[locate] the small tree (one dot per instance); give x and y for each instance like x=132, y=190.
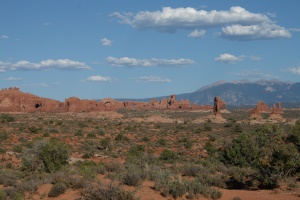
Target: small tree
x=45, y=155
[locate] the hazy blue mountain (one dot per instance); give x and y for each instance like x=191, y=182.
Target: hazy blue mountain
x=244, y=92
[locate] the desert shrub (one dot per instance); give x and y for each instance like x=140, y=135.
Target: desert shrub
x=162, y=142
x=30, y=185
x=236, y=198
x=265, y=151
x=145, y=139
x=215, y=194
x=210, y=148
x=188, y=144
x=177, y=188
x=196, y=187
x=136, y=151
x=59, y=123
x=294, y=135
x=57, y=189
x=168, y=155
x=133, y=175
x=101, y=132
x=91, y=135
x=212, y=136
x=228, y=125
x=12, y=193
x=113, y=167
x=2, y=194
x=17, y=148
x=79, y=132
x=6, y=118
x=81, y=125
x=45, y=155
x=237, y=128
x=33, y=129
x=9, y=178
x=192, y=169
x=160, y=177
x=110, y=192
x=121, y=137
x=3, y=135
x=87, y=169
x=105, y=143
x=207, y=127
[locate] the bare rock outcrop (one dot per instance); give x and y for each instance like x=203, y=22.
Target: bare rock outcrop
x=13, y=100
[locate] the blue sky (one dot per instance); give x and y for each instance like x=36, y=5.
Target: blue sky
x=137, y=49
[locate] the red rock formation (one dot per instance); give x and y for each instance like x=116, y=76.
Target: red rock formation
x=276, y=109
x=216, y=108
x=13, y=100
x=261, y=107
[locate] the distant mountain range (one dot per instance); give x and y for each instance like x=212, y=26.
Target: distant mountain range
x=244, y=92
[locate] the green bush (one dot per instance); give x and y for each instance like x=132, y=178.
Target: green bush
x=57, y=189
x=6, y=118
x=168, y=155
x=162, y=142
x=111, y=192
x=121, y=137
x=79, y=132
x=45, y=155
x=136, y=150
x=105, y=143
x=3, y=135
x=133, y=175
x=207, y=127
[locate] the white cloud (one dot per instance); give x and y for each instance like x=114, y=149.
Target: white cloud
x=255, y=58
x=255, y=74
x=133, y=62
x=170, y=19
x=254, y=32
x=35, y=85
x=294, y=70
x=99, y=79
x=13, y=79
x=4, y=37
x=106, y=42
x=228, y=58
x=197, y=34
x=294, y=29
x=62, y=64
x=240, y=23
x=153, y=79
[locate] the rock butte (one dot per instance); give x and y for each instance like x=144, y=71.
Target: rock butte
x=13, y=100
x=261, y=107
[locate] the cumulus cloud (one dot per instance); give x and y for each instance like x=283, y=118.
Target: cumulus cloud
x=62, y=64
x=4, y=37
x=98, y=78
x=254, y=32
x=153, y=79
x=294, y=70
x=228, y=58
x=106, y=42
x=133, y=62
x=170, y=19
x=197, y=34
x=239, y=23
x=13, y=79
x=255, y=74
